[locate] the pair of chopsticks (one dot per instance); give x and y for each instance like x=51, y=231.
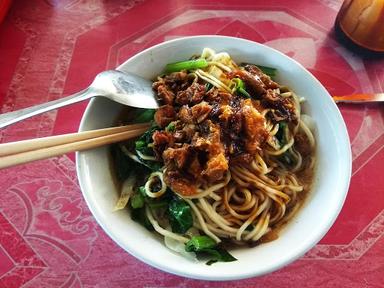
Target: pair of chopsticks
x=25, y=151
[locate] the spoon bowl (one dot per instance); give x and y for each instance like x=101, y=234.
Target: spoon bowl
x=124, y=88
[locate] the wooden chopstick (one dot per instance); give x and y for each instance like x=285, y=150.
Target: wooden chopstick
x=39, y=143
x=36, y=149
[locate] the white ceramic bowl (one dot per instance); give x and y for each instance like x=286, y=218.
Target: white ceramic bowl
x=310, y=224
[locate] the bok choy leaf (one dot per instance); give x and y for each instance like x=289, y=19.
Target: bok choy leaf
x=144, y=115
x=206, y=246
x=180, y=216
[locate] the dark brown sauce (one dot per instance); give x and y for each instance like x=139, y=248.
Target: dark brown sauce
x=306, y=178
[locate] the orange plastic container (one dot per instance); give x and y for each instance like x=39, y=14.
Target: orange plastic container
x=361, y=23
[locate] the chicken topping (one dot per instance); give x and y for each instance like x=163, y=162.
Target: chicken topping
x=214, y=128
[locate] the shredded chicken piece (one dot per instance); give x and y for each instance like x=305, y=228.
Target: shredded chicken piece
x=193, y=94
x=179, y=182
x=254, y=127
x=165, y=115
x=200, y=112
x=217, y=166
x=161, y=141
x=177, y=157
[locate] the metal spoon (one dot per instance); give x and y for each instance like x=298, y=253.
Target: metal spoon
x=125, y=88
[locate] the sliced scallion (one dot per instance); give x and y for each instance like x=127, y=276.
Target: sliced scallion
x=240, y=88
x=268, y=70
x=243, y=92
x=186, y=65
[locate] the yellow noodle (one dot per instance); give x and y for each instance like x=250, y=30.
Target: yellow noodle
x=147, y=186
x=161, y=230
x=202, y=222
x=259, y=195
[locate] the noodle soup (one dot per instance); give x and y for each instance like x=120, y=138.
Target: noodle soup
x=328, y=190
x=229, y=157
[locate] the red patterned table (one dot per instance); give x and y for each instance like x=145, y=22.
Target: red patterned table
x=52, y=48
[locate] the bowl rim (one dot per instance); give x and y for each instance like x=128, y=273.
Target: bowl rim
x=235, y=275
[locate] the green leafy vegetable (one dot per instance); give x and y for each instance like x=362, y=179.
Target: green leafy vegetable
x=124, y=165
x=243, y=92
x=170, y=127
x=144, y=146
x=186, y=65
x=250, y=227
x=208, y=86
x=281, y=134
x=139, y=216
x=137, y=201
x=180, y=216
x=268, y=70
x=141, y=190
x=200, y=243
x=219, y=255
x=144, y=115
x=204, y=245
x=157, y=203
x=142, y=143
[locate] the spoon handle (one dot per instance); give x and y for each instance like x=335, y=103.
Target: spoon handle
x=360, y=98
x=18, y=115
